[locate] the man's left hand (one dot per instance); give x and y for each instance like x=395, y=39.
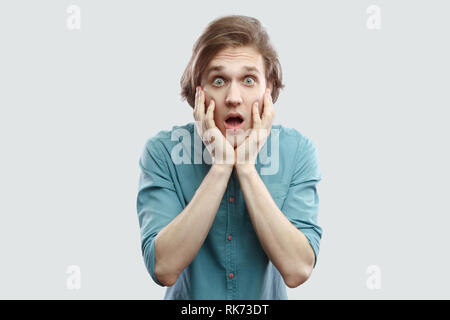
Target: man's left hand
x=248, y=150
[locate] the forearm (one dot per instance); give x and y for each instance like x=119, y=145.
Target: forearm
x=178, y=243
x=286, y=246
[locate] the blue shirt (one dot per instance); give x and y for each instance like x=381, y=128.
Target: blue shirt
x=231, y=264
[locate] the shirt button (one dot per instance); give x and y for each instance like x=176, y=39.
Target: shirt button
x=231, y=275
x=230, y=237
x=231, y=200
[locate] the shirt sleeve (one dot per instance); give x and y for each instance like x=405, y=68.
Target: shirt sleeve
x=301, y=206
x=157, y=201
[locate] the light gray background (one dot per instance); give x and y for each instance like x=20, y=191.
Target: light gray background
x=78, y=106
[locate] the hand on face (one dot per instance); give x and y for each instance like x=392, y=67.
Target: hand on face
x=221, y=151
x=248, y=150
x=248, y=144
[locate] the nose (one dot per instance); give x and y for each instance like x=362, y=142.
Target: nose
x=233, y=96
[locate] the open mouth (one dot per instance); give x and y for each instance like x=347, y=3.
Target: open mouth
x=234, y=121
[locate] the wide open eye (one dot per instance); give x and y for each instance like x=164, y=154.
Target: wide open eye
x=218, y=81
x=252, y=81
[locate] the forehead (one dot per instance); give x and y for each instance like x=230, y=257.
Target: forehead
x=236, y=57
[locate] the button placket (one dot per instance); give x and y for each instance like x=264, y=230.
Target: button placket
x=230, y=245
x=233, y=244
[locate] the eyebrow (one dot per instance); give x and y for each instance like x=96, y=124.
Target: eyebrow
x=220, y=68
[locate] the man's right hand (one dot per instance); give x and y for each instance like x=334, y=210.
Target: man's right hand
x=221, y=150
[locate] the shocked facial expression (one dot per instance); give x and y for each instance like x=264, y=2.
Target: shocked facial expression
x=235, y=80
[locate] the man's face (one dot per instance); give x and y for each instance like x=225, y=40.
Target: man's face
x=235, y=80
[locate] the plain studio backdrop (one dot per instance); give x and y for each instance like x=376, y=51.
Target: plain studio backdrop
x=367, y=81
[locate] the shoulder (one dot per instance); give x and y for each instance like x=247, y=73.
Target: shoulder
x=301, y=150
x=294, y=140
x=166, y=139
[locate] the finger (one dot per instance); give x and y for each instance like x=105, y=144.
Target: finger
x=210, y=115
x=201, y=102
x=197, y=115
x=195, y=104
x=256, y=117
x=199, y=111
x=268, y=109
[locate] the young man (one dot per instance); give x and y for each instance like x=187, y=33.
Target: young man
x=229, y=227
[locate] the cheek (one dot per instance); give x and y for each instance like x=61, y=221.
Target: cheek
x=208, y=100
x=219, y=114
x=208, y=97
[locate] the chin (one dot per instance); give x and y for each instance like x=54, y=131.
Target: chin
x=232, y=141
x=235, y=141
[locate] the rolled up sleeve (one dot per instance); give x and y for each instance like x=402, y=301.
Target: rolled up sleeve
x=157, y=201
x=301, y=206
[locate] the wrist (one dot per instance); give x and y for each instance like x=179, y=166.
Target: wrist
x=222, y=168
x=245, y=169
